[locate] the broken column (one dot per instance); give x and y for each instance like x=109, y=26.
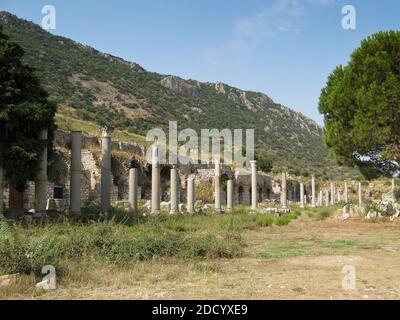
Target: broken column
x=133, y=189
x=346, y=192
x=190, y=195
x=332, y=194
x=284, y=191
x=105, y=183
x=253, y=185
x=360, y=197
x=75, y=183
x=229, y=200
x=1, y=191
x=313, y=193
x=302, y=195
x=217, y=186
x=41, y=177
x=174, y=190
x=155, y=181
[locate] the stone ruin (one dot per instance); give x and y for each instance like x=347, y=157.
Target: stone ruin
x=84, y=169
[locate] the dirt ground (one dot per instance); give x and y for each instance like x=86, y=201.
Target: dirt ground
x=301, y=261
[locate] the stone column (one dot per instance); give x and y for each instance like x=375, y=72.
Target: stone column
x=1, y=191
x=332, y=194
x=360, y=197
x=302, y=195
x=174, y=190
x=75, y=183
x=41, y=178
x=155, y=181
x=105, y=183
x=346, y=192
x=190, y=195
x=217, y=186
x=321, y=198
x=326, y=198
x=313, y=193
x=230, y=201
x=133, y=189
x=284, y=191
x=253, y=185
x=339, y=196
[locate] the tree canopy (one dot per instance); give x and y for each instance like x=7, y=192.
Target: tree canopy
x=24, y=112
x=361, y=107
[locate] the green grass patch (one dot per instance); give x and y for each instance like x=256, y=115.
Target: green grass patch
x=339, y=244
x=264, y=220
x=282, y=252
x=119, y=240
x=321, y=213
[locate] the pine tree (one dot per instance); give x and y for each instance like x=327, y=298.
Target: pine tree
x=361, y=106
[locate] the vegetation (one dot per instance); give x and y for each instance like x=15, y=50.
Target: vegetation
x=24, y=113
x=264, y=161
x=361, y=105
x=121, y=239
x=101, y=89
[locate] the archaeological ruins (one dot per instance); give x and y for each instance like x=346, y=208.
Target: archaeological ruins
x=86, y=170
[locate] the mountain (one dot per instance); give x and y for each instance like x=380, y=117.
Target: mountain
x=92, y=88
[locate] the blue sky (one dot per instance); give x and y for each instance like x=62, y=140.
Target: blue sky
x=284, y=48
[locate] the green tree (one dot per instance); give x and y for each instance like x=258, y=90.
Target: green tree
x=361, y=107
x=24, y=112
x=264, y=161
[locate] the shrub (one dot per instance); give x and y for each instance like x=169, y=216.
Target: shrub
x=264, y=220
x=283, y=220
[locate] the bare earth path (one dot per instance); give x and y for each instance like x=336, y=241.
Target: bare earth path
x=300, y=261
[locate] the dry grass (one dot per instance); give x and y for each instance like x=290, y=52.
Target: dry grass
x=300, y=261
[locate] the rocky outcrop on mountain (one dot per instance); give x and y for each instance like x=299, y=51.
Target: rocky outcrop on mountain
x=180, y=86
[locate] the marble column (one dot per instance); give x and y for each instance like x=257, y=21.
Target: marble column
x=339, y=196
x=133, y=189
x=253, y=185
x=346, y=192
x=217, y=186
x=155, y=181
x=360, y=197
x=190, y=195
x=284, y=191
x=302, y=195
x=1, y=191
x=105, y=184
x=41, y=177
x=230, y=199
x=174, y=191
x=313, y=193
x=75, y=183
x=326, y=197
x=332, y=194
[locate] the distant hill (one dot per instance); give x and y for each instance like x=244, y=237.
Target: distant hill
x=92, y=88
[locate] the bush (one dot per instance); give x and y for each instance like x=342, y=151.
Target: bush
x=264, y=220
x=283, y=220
